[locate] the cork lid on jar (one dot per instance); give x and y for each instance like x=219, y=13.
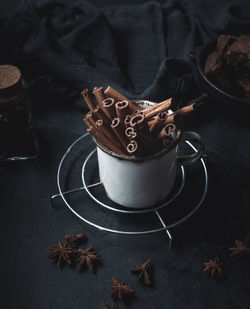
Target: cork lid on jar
x=10, y=81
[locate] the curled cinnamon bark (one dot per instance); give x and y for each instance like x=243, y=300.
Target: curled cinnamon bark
x=148, y=144
x=108, y=132
x=89, y=119
x=104, y=141
x=99, y=122
x=157, y=108
x=127, y=120
x=108, y=106
x=99, y=95
x=130, y=133
x=132, y=147
x=87, y=122
x=174, y=118
x=167, y=131
x=99, y=114
x=138, y=121
x=87, y=97
x=118, y=128
x=122, y=110
x=177, y=116
x=136, y=112
x=112, y=93
x=158, y=122
x=185, y=110
x=117, y=96
x=123, y=127
x=134, y=109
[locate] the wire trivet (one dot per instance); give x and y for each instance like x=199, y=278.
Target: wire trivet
x=121, y=210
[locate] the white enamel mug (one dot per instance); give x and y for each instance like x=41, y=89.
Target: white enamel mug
x=142, y=182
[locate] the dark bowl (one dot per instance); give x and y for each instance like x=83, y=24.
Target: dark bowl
x=206, y=85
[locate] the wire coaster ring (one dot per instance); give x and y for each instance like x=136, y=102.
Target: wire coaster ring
x=85, y=187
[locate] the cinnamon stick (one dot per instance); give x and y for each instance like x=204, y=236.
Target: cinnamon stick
x=127, y=120
x=158, y=122
x=177, y=116
x=137, y=111
x=99, y=114
x=130, y=133
x=172, y=118
x=104, y=141
x=87, y=122
x=108, y=132
x=118, y=128
x=112, y=93
x=145, y=139
x=167, y=131
x=122, y=110
x=87, y=97
x=89, y=119
x=136, y=148
x=108, y=106
x=185, y=110
x=133, y=107
x=138, y=122
x=164, y=102
x=157, y=108
x=132, y=147
x=99, y=95
x=147, y=144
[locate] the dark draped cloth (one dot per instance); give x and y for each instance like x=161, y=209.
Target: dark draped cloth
x=142, y=50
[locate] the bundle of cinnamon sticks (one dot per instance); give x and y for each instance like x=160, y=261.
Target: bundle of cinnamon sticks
x=121, y=126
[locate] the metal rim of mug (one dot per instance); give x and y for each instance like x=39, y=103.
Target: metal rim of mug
x=129, y=232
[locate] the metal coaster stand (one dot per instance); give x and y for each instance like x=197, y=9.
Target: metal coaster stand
x=155, y=210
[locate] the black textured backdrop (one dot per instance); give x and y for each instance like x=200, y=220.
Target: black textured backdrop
x=65, y=47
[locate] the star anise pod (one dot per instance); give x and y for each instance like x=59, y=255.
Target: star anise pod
x=143, y=272
x=73, y=239
x=62, y=253
x=120, y=290
x=240, y=248
x=104, y=306
x=88, y=257
x=213, y=267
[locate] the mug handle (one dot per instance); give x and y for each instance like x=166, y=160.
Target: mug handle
x=192, y=158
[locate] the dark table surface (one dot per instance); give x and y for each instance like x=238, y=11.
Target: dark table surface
x=63, y=49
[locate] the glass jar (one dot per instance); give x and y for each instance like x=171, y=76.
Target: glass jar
x=17, y=140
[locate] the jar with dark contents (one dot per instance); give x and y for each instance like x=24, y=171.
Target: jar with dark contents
x=17, y=140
